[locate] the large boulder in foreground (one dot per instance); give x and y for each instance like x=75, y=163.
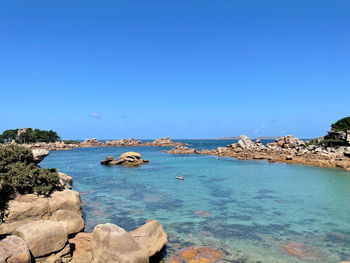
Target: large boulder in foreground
x=74, y=222
x=13, y=249
x=65, y=200
x=126, y=159
x=112, y=244
x=152, y=236
x=27, y=208
x=43, y=236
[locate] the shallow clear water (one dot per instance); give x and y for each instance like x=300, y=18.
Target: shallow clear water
x=247, y=209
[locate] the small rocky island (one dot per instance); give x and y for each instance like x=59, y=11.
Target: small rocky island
x=126, y=159
x=41, y=219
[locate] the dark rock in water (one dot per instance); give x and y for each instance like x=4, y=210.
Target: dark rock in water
x=107, y=160
x=126, y=159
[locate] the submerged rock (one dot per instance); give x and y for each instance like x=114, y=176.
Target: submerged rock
x=201, y=213
x=126, y=159
x=196, y=254
x=301, y=251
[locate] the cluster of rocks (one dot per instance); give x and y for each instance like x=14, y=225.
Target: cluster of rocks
x=91, y=143
x=48, y=230
x=109, y=243
x=126, y=159
x=285, y=149
x=163, y=142
x=51, y=146
x=182, y=150
x=39, y=226
x=124, y=142
x=160, y=142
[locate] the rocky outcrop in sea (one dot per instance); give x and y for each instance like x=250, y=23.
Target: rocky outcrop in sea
x=126, y=159
x=288, y=149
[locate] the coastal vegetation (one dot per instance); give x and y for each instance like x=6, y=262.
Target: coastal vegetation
x=342, y=124
x=19, y=174
x=70, y=141
x=339, y=135
x=29, y=135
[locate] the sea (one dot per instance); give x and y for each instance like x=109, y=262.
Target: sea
x=249, y=210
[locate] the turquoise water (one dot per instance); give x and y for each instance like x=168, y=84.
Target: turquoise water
x=247, y=209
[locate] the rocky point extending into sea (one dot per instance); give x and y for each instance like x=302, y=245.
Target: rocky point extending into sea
x=61, y=146
x=49, y=229
x=287, y=149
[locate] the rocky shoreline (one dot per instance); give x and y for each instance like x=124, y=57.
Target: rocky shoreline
x=61, y=146
x=286, y=149
x=48, y=229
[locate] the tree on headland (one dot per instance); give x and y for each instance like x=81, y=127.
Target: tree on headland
x=8, y=135
x=342, y=124
x=29, y=135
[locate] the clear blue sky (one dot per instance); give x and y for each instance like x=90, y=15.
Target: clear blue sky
x=180, y=68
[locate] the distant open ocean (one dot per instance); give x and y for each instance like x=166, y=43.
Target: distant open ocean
x=246, y=209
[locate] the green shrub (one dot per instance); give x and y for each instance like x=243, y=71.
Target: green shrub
x=20, y=175
x=70, y=142
x=13, y=153
x=310, y=142
x=342, y=124
x=332, y=142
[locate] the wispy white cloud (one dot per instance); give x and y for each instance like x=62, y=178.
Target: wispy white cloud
x=95, y=115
